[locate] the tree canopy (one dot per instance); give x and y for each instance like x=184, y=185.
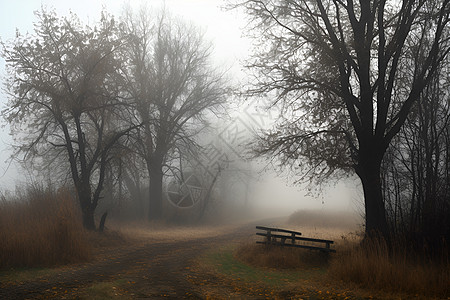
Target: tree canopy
x=171, y=80
x=337, y=68
x=82, y=98
x=65, y=98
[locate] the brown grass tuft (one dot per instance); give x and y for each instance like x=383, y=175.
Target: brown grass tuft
x=41, y=228
x=280, y=257
x=372, y=265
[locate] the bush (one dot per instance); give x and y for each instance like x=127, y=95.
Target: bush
x=41, y=228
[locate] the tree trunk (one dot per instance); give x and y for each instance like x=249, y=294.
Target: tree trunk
x=88, y=218
x=137, y=195
x=155, y=192
x=87, y=207
x=369, y=171
x=207, y=197
x=101, y=227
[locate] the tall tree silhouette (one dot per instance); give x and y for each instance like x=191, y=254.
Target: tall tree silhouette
x=172, y=84
x=64, y=98
x=335, y=67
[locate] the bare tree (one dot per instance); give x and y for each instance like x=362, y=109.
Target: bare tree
x=172, y=84
x=415, y=172
x=64, y=99
x=335, y=68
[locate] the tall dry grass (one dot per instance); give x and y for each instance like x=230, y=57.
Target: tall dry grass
x=271, y=256
x=41, y=228
x=370, y=264
x=374, y=265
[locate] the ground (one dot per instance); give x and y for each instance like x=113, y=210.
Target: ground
x=155, y=266
x=175, y=263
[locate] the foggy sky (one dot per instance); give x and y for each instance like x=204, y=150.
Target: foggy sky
x=224, y=29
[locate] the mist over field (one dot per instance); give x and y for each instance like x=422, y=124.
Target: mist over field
x=211, y=149
x=271, y=192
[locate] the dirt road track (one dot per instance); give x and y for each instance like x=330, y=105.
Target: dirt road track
x=154, y=270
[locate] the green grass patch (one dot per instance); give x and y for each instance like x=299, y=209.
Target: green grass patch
x=105, y=290
x=224, y=262
x=308, y=281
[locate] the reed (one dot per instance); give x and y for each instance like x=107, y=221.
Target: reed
x=39, y=227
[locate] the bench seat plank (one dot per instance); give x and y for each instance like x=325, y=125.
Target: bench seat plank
x=277, y=230
x=301, y=246
x=296, y=238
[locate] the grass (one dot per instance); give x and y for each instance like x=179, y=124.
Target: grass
x=228, y=261
x=306, y=281
x=105, y=290
x=18, y=275
x=366, y=269
x=281, y=257
x=373, y=266
x=325, y=219
x=41, y=228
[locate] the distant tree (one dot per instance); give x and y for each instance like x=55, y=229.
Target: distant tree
x=336, y=68
x=64, y=99
x=171, y=83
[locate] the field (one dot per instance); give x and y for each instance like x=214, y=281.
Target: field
x=45, y=253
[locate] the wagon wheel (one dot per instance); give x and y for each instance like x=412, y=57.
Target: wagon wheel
x=185, y=193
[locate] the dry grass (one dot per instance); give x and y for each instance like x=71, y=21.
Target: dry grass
x=325, y=219
x=41, y=228
x=312, y=224
x=157, y=232
x=371, y=265
x=280, y=257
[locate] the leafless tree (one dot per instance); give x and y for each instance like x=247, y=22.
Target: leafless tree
x=65, y=100
x=171, y=83
x=335, y=67
x=415, y=172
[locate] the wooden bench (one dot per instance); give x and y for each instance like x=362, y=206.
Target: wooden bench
x=279, y=237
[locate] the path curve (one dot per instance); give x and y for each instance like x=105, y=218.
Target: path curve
x=156, y=270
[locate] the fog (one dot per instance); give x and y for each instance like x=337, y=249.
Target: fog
x=186, y=149
x=273, y=195
x=221, y=28
x=269, y=191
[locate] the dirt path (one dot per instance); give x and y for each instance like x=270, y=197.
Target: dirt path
x=151, y=270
